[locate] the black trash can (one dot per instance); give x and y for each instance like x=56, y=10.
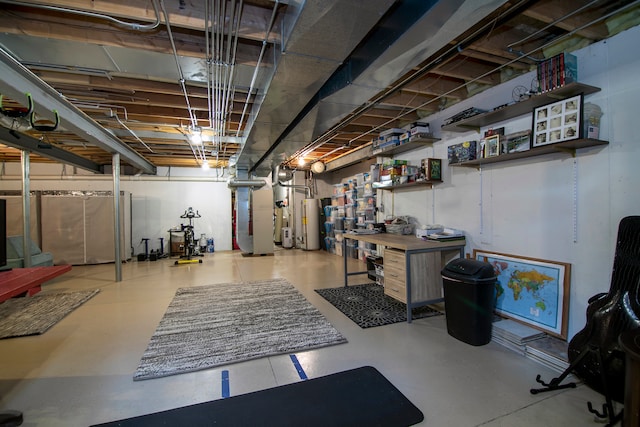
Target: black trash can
x=469, y=289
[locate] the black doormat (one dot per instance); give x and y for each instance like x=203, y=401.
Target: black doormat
x=358, y=397
x=368, y=306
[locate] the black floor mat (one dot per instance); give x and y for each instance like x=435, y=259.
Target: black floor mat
x=358, y=397
x=368, y=306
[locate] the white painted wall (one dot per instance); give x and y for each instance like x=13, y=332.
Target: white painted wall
x=526, y=207
x=157, y=202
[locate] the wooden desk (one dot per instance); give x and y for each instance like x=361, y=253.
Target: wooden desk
x=410, y=248
x=18, y=281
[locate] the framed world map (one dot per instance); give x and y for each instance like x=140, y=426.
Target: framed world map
x=530, y=290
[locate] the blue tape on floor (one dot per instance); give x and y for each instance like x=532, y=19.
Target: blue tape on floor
x=225, y=384
x=294, y=359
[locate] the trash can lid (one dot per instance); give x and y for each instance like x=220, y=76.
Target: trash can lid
x=464, y=268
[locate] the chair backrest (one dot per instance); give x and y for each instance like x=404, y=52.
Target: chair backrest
x=626, y=261
x=608, y=316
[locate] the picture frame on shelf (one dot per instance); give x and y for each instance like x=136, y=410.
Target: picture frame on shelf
x=530, y=290
x=492, y=145
x=517, y=142
x=557, y=122
x=462, y=152
x=432, y=169
x=494, y=131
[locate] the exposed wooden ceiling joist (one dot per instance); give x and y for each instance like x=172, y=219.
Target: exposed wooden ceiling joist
x=153, y=105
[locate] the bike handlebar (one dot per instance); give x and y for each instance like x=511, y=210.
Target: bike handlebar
x=190, y=214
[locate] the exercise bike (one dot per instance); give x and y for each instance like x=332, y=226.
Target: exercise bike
x=190, y=244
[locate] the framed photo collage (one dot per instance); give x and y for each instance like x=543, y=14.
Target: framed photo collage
x=557, y=122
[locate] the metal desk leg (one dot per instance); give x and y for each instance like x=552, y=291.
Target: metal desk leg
x=346, y=272
x=344, y=258
x=407, y=256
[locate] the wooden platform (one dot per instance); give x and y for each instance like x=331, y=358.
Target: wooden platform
x=19, y=281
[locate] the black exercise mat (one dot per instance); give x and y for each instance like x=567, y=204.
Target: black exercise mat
x=358, y=397
x=368, y=306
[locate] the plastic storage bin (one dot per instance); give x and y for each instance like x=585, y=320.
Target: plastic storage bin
x=469, y=289
x=328, y=228
x=349, y=224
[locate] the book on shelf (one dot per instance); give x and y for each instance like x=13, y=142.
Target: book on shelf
x=557, y=71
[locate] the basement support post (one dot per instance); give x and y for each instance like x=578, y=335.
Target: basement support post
x=115, y=166
x=26, y=209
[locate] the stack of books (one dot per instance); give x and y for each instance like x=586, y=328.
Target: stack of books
x=514, y=335
x=387, y=139
x=549, y=351
x=446, y=235
x=557, y=71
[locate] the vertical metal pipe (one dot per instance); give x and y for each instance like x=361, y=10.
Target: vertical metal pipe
x=116, y=215
x=26, y=209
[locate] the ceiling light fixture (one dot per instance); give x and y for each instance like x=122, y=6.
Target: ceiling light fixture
x=318, y=167
x=301, y=161
x=196, y=135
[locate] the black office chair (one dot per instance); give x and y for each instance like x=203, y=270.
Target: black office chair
x=595, y=355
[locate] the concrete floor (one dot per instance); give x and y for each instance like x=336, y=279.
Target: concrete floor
x=80, y=371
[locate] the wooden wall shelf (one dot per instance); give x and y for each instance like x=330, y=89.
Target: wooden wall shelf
x=520, y=108
x=407, y=146
x=408, y=185
x=567, y=146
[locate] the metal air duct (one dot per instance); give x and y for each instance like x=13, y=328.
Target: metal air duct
x=246, y=183
x=303, y=66
x=410, y=32
x=242, y=186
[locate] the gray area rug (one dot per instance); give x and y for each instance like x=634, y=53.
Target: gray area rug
x=208, y=326
x=34, y=315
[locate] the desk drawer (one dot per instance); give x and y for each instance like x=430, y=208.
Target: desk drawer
x=426, y=282
x=394, y=259
x=395, y=274
x=395, y=290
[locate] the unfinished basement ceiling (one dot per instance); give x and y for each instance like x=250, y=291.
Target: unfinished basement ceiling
x=269, y=82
